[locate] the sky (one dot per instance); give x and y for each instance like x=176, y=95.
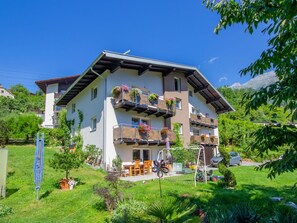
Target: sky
x=46, y=39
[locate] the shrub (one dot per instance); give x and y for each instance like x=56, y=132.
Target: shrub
x=67, y=160
x=5, y=210
x=171, y=210
x=112, y=194
x=117, y=163
x=129, y=212
x=229, y=177
x=93, y=154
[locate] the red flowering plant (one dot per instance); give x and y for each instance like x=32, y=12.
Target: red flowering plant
x=164, y=131
x=117, y=90
x=170, y=101
x=144, y=128
x=125, y=88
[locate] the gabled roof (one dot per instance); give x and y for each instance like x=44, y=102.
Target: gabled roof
x=113, y=61
x=42, y=84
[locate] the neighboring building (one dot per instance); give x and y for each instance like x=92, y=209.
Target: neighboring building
x=111, y=121
x=53, y=89
x=5, y=93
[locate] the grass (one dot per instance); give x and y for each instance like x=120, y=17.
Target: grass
x=81, y=205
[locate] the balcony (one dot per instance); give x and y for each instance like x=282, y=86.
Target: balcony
x=128, y=134
x=204, y=140
x=142, y=104
x=199, y=120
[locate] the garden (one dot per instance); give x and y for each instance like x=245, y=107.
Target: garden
x=119, y=201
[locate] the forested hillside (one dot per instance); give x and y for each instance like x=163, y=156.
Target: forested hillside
x=236, y=128
x=18, y=116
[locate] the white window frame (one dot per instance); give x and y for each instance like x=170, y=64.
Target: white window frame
x=94, y=93
x=93, y=126
x=177, y=84
x=141, y=153
x=178, y=103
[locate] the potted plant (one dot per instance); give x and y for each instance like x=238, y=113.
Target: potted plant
x=170, y=102
x=117, y=90
x=164, y=132
x=66, y=161
x=203, y=137
x=134, y=94
x=153, y=98
x=144, y=128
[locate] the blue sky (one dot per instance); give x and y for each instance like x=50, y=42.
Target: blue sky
x=47, y=39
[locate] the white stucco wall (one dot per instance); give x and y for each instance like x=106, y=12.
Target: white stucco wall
x=199, y=102
x=151, y=81
x=49, y=105
x=90, y=108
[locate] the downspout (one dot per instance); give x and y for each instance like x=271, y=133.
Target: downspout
x=104, y=115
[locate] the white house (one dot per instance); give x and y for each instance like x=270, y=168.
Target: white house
x=53, y=89
x=5, y=93
x=111, y=122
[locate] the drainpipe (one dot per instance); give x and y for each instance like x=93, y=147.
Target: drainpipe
x=104, y=114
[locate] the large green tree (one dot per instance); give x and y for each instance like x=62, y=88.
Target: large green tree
x=279, y=19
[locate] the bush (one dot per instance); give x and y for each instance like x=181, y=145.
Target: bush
x=67, y=160
x=129, y=212
x=117, y=163
x=229, y=177
x=5, y=210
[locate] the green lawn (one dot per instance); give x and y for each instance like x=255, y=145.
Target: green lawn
x=81, y=205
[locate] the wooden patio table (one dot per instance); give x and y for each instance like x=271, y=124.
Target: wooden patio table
x=130, y=167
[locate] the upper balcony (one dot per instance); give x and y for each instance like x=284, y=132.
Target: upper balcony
x=129, y=134
x=205, y=140
x=134, y=99
x=200, y=120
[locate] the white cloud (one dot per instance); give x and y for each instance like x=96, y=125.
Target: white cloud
x=224, y=78
x=212, y=60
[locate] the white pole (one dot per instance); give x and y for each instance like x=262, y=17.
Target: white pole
x=197, y=163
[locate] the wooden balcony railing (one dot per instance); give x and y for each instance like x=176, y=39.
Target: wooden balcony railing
x=199, y=120
x=128, y=134
x=204, y=140
x=142, y=104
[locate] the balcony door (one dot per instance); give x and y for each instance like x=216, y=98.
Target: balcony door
x=136, y=121
x=141, y=154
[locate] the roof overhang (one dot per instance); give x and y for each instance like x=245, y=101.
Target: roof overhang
x=42, y=84
x=113, y=61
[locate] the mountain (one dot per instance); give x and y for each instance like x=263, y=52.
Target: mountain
x=257, y=82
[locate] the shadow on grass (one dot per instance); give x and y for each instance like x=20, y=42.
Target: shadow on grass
x=11, y=191
x=10, y=174
x=100, y=206
x=214, y=197
x=45, y=194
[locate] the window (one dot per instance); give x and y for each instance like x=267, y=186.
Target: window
x=136, y=121
x=190, y=93
x=195, y=131
x=180, y=128
x=93, y=124
x=2, y=91
x=93, y=93
x=178, y=103
x=141, y=154
x=177, y=84
x=195, y=111
x=73, y=108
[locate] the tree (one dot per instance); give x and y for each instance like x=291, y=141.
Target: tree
x=67, y=160
x=280, y=24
